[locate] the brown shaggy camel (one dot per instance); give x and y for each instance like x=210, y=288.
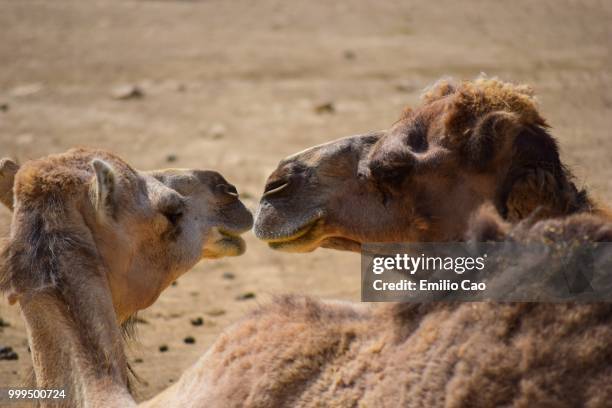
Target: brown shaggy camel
x=93, y=241
x=478, y=141
x=419, y=181
x=302, y=352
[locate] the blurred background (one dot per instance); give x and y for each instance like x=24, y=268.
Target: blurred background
x=236, y=86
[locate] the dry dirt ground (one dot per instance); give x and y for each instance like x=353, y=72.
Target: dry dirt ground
x=233, y=86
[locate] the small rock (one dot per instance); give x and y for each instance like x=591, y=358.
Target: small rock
x=171, y=158
x=163, y=348
x=4, y=323
x=7, y=353
x=325, y=108
x=215, y=312
x=406, y=86
x=349, y=55
x=138, y=360
x=198, y=321
x=125, y=92
x=24, y=139
x=189, y=340
x=172, y=85
x=217, y=131
x=4, y=107
x=228, y=276
x=175, y=283
x=245, y=296
x=277, y=25
x=26, y=90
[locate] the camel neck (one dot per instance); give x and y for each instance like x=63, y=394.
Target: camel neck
x=77, y=346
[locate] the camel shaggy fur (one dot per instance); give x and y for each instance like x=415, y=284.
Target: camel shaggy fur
x=302, y=352
x=93, y=241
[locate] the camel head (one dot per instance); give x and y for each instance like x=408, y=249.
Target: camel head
x=88, y=212
x=466, y=144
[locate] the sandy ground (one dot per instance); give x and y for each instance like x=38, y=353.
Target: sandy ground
x=233, y=85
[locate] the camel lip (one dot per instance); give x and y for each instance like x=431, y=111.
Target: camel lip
x=341, y=243
x=229, y=240
x=298, y=233
x=230, y=233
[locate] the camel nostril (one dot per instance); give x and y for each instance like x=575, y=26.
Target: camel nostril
x=228, y=189
x=275, y=186
x=231, y=190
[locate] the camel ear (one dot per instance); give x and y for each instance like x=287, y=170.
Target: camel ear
x=538, y=180
x=103, y=188
x=492, y=134
x=390, y=166
x=8, y=169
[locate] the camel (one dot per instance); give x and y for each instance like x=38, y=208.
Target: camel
x=466, y=144
x=93, y=241
x=303, y=352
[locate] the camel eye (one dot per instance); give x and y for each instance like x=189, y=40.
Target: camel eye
x=416, y=138
x=174, y=216
x=173, y=209
x=417, y=142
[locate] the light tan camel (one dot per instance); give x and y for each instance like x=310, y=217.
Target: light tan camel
x=475, y=142
x=92, y=242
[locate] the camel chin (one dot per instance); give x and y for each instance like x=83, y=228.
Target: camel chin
x=306, y=238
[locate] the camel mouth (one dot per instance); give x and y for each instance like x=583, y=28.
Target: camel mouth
x=304, y=239
x=228, y=244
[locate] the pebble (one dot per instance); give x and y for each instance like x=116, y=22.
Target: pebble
x=349, y=55
x=163, y=348
x=198, y=321
x=26, y=90
x=325, y=108
x=228, y=275
x=24, y=139
x=125, y=92
x=189, y=340
x=245, y=296
x=217, y=131
x=7, y=353
x=215, y=312
x=406, y=86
